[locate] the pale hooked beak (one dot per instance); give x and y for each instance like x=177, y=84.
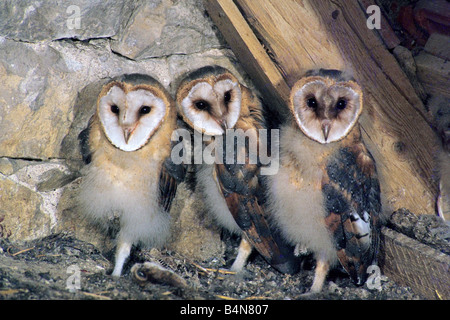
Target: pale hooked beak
x=326, y=124
x=127, y=133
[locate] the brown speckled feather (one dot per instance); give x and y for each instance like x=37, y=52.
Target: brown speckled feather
x=168, y=188
x=352, y=203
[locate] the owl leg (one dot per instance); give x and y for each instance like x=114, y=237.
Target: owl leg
x=245, y=248
x=443, y=203
x=122, y=253
x=322, y=267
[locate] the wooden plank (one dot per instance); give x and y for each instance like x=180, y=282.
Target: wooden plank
x=388, y=35
x=301, y=35
x=434, y=73
x=433, y=16
x=266, y=76
x=292, y=34
x=416, y=265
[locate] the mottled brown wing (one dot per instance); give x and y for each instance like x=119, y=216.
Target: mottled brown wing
x=241, y=189
x=83, y=139
x=171, y=175
x=352, y=201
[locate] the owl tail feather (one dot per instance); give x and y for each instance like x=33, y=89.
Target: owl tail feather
x=357, y=254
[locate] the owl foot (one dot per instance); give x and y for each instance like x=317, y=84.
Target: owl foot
x=122, y=253
x=300, y=250
x=245, y=249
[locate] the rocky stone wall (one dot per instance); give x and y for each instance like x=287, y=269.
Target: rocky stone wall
x=54, y=57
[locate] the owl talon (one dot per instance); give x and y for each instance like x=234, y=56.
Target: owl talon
x=300, y=250
x=122, y=254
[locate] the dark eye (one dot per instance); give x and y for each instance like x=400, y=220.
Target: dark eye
x=312, y=103
x=227, y=97
x=202, y=105
x=341, y=104
x=115, y=109
x=145, y=110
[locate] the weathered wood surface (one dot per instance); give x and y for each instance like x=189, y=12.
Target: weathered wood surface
x=248, y=49
x=411, y=263
x=295, y=36
x=386, y=33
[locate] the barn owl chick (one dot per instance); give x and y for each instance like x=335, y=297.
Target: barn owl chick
x=129, y=173
x=326, y=196
x=212, y=102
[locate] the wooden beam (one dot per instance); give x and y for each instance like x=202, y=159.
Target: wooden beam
x=267, y=77
x=416, y=265
x=300, y=35
x=291, y=32
x=386, y=33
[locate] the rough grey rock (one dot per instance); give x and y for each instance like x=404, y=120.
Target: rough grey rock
x=29, y=221
x=9, y=166
x=428, y=229
x=408, y=64
x=35, y=101
x=403, y=221
x=194, y=233
x=166, y=27
x=439, y=108
x=54, y=179
x=432, y=230
x=27, y=213
x=51, y=19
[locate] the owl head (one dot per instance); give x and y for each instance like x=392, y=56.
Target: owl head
x=326, y=104
x=209, y=100
x=131, y=108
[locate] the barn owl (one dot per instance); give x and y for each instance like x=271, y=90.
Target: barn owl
x=129, y=173
x=326, y=195
x=211, y=101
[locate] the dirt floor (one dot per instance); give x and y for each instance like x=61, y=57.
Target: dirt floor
x=49, y=269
